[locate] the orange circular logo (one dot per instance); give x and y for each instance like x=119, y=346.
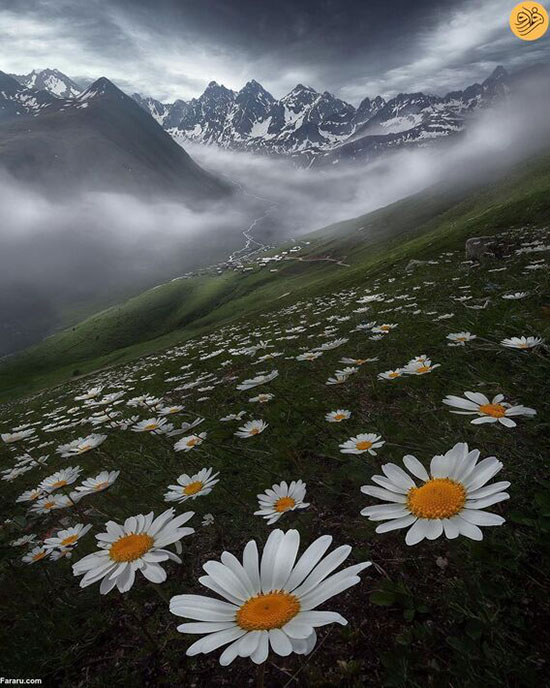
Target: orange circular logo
x=529, y=21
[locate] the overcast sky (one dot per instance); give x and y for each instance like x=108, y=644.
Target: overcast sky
x=353, y=48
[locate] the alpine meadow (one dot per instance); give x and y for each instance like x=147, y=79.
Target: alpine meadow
x=274, y=357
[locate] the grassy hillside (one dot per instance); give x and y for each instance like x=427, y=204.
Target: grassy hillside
x=455, y=612
x=367, y=245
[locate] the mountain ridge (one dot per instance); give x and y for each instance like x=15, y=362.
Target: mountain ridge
x=101, y=139
x=316, y=127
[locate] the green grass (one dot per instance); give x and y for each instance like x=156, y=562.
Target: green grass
x=443, y=613
x=185, y=308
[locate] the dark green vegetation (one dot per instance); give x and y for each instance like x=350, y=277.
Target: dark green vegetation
x=437, y=218
x=443, y=613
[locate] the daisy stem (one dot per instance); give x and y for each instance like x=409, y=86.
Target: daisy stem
x=75, y=505
x=140, y=624
x=260, y=675
x=160, y=593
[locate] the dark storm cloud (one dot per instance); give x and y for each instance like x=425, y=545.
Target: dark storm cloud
x=173, y=48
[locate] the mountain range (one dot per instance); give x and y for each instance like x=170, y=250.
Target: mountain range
x=319, y=127
x=312, y=127
x=100, y=139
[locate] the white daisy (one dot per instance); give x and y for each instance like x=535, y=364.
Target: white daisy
x=66, y=476
x=522, y=342
x=460, y=338
x=81, y=445
x=364, y=442
x=90, y=394
x=262, y=398
x=449, y=501
x=101, y=482
x=189, y=442
x=233, y=416
x=36, y=554
x=185, y=427
x=384, y=328
x=337, y=380
x=156, y=425
x=269, y=602
x=258, y=380
x=328, y=346
x=337, y=416
x=277, y=500
x=190, y=487
x=515, y=296
x=391, y=374
x=11, y=437
x=420, y=366
x=170, y=410
x=309, y=356
x=67, y=539
x=494, y=411
x=45, y=505
x=138, y=545
x=251, y=428
x=24, y=540
x=30, y=495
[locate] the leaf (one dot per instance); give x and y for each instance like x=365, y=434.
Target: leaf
x=383, y=598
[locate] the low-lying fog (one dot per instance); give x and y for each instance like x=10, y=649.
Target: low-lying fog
x=90, y=250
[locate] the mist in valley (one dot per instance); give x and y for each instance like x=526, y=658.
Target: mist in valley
x=67, y=254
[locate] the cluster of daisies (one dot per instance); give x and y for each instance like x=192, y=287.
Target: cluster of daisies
x=265, y=600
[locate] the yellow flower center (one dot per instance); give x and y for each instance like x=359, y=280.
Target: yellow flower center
x=69, y=540
x=460, y=339
x=84, y=447
x=339, y=416
x=494, y=410
x=193, y=488
x=101, y=486
x=130, y=547
x=255, y=431
x=151, y=426
x=438, y=498
x=393, y=374
x=192, y=442
x=385, y=327
x=423, y=369
x=38, y=556
x=363, y=446
x=59, y=483
x=49, y=505
x=284, y=504
x=264, y=612
x=523, y=346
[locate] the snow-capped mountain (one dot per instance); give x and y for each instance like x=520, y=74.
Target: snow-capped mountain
x=100, y=140
x=19, y=101
x=314, y=128
x=51, y=80
x=318, y=126
x=416, y=119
